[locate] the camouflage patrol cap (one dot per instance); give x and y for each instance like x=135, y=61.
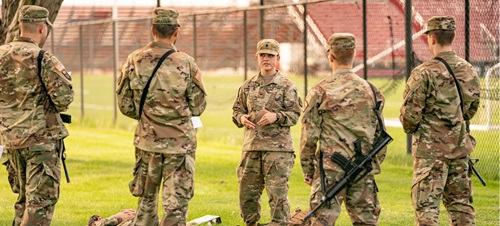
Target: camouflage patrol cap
x=440, y=23
x=269, y=46
x=341, y=41
x=165, y=16
x=33, y=13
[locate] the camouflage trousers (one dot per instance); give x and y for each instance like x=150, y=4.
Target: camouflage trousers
x=360, y=199
x=177, y=172
x=269, y=169
x=448, y=179
x=34, y=173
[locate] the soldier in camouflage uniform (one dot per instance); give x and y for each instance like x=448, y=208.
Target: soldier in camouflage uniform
x=122, y=218
x=165, y=139
x=30, y=125
x=431, y=112
x=338, y=111
x=267, y=105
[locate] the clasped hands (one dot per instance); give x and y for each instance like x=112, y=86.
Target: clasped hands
x=267, y=118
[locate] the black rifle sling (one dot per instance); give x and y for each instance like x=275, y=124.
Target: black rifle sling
x=377, y=108
x=62, y=151
x=467, y=123
x=456, y=82
x=39, y=64
x=146, y=87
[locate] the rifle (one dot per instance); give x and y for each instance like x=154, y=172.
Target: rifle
x=362, y=162
x=64, y=117
x=473, y=168
x=62, y=155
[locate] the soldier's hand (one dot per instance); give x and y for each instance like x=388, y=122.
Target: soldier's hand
x=247, y=123
x=308, y=180
x=267, y=118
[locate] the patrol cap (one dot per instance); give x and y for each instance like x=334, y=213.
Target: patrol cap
x=269, y=46
x=440, y=23
x=33, y=13
x=341, y=41
x=163, y=15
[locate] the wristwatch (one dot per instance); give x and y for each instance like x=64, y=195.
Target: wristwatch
x=277, y=118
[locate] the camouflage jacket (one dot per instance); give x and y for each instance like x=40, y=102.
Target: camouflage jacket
x=175, y=95
x=278, y=95
x=431, y=107
x=26, y=115
x=338, y=111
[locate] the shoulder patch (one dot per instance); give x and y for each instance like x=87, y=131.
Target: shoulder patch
x=197, y=76
x=66, y=74
x=60, y=67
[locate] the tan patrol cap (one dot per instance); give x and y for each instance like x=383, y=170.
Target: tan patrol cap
x=440, y=23
x=269, y=46
x=165, y=16
x=341, y=41
x=33, y=13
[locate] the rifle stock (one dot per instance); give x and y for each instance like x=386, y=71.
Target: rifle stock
x=473, y=168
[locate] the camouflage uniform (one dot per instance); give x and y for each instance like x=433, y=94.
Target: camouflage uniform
x=165, y=139
x=30, y=127
x=268, y=156
x=123, y=218
x=431, y=113
x=338, y=111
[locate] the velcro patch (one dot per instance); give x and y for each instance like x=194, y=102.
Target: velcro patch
x=60, y=67
x=198, y=75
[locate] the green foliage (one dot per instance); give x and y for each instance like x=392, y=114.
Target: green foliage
x=101, y=158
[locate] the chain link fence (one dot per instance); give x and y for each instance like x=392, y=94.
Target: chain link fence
x=88, y=40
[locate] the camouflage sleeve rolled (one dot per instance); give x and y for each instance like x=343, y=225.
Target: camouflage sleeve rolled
x=413, y=101
x=293, y=104
x=196, y=92
x=240, y=106
x=124, y=94
x=473, y=92
x=311, y=130
x=57, y=81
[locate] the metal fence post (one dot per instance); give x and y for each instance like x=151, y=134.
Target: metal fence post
x=409, y=55
x=261, y=20
x=195, y=34
x=115, y=61
x=245, y=46
x=81, y=71
x=467, y=30
x=52, y=44
x=365, y=41
x=304, y=16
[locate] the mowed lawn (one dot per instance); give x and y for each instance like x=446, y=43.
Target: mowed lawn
x=101, y=156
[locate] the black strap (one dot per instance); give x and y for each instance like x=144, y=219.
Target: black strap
x=39, y=63
x=377, y=108
x=456, y=83
x=146, y=87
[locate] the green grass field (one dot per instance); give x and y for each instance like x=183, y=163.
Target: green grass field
x=100, y=161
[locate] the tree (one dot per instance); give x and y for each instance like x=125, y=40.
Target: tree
x=9, y=26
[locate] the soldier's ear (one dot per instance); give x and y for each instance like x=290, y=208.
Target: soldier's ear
x=176, y=33
x=41, y=27
x=153, y=32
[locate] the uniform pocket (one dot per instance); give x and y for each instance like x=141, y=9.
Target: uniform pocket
x=11, y=176
x=137, y=184
x=422, y=188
